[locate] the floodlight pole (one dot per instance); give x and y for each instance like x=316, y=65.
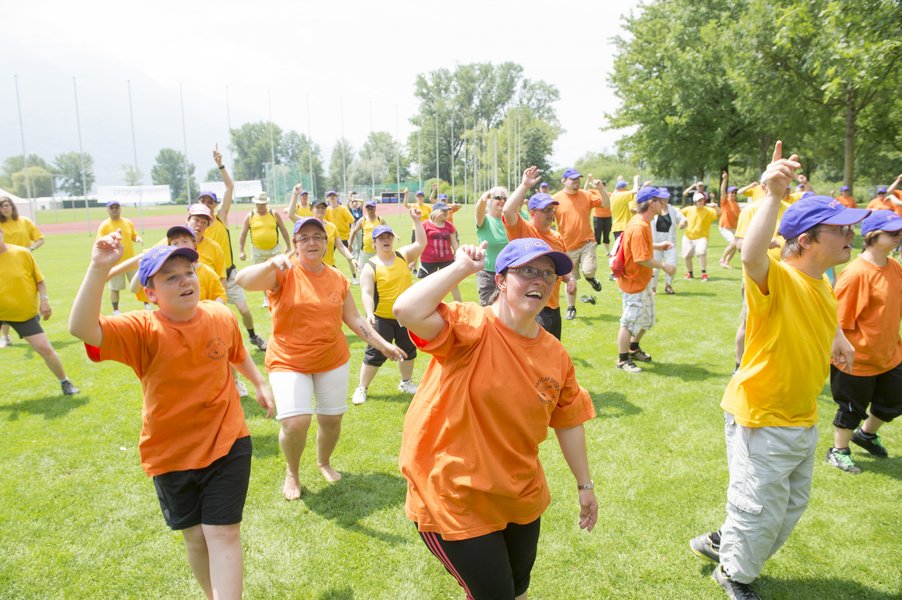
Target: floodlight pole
x=451, y=159
x=81, y=156
x=310, y=148
x=341, y=115
x=131, y=117
x=229, y=123
x=272, y=147
x=34, y=213
x=185, y=146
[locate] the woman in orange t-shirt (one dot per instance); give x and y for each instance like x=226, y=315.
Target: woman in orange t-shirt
x=729, y=219
x=470, y=446
x=307, y=354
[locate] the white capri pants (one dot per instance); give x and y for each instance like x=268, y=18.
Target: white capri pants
x=294, y=392
x=668, y=257
x=697, y=247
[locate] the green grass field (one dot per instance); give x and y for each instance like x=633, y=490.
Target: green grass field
x=79, y=519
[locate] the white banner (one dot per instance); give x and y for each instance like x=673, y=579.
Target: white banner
x=243, y=189
x=134, y=195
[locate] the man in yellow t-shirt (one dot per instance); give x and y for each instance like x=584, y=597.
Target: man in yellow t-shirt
x=23, y=302
x=699, y=219
x=770, y=404
x=339, y=216
x=264, y=226
x=623, y=205
x=116, y=222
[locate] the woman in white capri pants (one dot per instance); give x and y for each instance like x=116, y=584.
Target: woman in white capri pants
x=664, y=229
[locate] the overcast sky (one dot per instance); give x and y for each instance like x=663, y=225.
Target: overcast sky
x=362, y=56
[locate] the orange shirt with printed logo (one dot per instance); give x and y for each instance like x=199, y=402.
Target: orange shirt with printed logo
x=470, y=446
x=192, y=414
x=307, y=312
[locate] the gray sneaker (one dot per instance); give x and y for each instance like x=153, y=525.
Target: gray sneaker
x=842, y=460
x=872, y=445
x=69, y=388
x=704, y=547
x=734, y=589
x=259, y=342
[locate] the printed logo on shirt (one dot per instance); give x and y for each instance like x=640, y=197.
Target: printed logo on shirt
x=548, y=389
x=216, y=348
x=335, y=298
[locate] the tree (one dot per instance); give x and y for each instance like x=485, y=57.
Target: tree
x=14, y=164
x=253, y=146
x=131, y=175
x=36, y=179
x=339, y=164
x=68, y=167
x=300, y=152
x=169, y=169
x=213, y=174
x=377, y=162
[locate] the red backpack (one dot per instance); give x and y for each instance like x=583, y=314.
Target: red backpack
x=617, y=261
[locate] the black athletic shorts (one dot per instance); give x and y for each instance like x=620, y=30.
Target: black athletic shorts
x=394, y=332
x=26, y=328
x=427, y=269
x=854, y=395
x=213, y=495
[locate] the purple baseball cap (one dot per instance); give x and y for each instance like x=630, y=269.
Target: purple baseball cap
x=523, y=250
x=305, y=220
x=113, y=203
x=544, y=184
x=380, y=229
x=369, y=204
x=157, y=256
x=732, y=188
x=420, y=193
x=209, y=193
x=319, y=202
x=844, y=188
x=179, y=230
x=571, y=174
x=443, y=196
x=817, y=210
x=540, y=201
x=439, y=205
x=304, y=193
x=621, y=185
x=881, y=220
x=881, y=189
x=331, y=193
x=650, y=193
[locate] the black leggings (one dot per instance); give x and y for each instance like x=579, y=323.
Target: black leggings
x=492, y=566
x=602, y=226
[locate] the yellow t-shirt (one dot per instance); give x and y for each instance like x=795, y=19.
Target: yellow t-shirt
x=21, y=232
x=621, y=202
x=211, y=254
x=390, y=282
x=218, y=233
x=342, y=218
x=129, y=234
x=305, y=211
x=794, y=197
x=264, y=230
x=698, y=221
x=425, y=211
x=745, y=218
x=19, y=284
x=368, y=227
x=788, y=337
x=331, y=234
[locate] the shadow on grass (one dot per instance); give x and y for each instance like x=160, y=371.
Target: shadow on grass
x=345, y=593
x=684, y=371
x=817, y=589
x=685, y=293
x=51, y=407
x=356, y=496
x=608, y=318
x=891, y=467
x=613, y=405
x=57, y=345
x=265, y=445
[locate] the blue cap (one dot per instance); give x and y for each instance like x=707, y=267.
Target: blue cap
x=540, y=201
x=443, y=196
x=806, y=194
x=319, y=202
x=304, y=220
x=420, y=193
x=523, y=250
x=439, y=205
x=179, y=230
x=881, y=189
x=331, y=193
x=157, y=256
x=209, y=193
x=370, y=203
x=621, y=185
x=571, y=174
x=732, y=188
x=113, y=203
x=380, y=229
x=650, y=192
x=844, y=188
x=817, y=210
x=544, y=184
x=881, y=220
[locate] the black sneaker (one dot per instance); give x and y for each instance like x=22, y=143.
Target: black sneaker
x=842, y=460
x=596, y=285
x=704, y=547
x=587, y=299
x=69, y=388
x=259, y=342
x=734, y=589
x=571, y=313
x=872, y=445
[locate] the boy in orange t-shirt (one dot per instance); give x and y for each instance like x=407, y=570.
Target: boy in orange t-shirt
x=869, y=295
x=194, y=440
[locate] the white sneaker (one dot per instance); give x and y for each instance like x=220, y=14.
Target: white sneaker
x=408, y=387
x=354, y=281
x=359, y=396
x=242, y=389
x=5, y=341
x=117, y=312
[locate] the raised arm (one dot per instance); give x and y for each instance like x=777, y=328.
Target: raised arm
x=412, y=252
x=416, y=307
x=603, y=192
x=292, y=209
x=761, y=229
x=125, y=266
x=480, y=209
x=895, y=184
x=258, y=278
x=511, y=209
x=724, y=177
x=84, y=319
x=223, y=212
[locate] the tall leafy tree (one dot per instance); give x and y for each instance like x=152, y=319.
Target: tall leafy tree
x=340, y=164
x=299, y=151
x=68, y=167
x=253, y=146
x=131, y=175
x=169, y=169
x=37, y=179
x=377, y=161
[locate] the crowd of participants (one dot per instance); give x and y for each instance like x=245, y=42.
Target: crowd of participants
x=476, y=490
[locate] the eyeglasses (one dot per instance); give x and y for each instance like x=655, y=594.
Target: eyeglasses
x=306, y=239
x=533, y=273
x=499, y=197
x=840, y=229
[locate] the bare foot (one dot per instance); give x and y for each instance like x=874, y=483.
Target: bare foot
x=329, y=473
x=292, y=487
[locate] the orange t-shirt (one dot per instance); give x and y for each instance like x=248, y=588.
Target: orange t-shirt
x=470, y=446
x=573, y=214
x=307, y=313
x=525, y=229
x=729, y=213
x=637, y=246
x=884, y=204
x=847, y=201
x=192, y=414
x=600, y=211
x=870, y=310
